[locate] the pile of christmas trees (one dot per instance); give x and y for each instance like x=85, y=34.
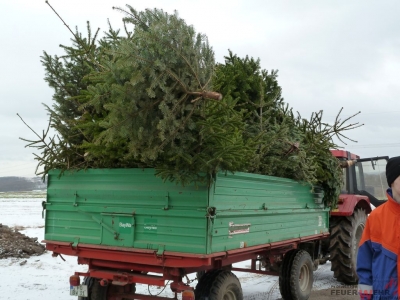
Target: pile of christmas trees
x=152, y=96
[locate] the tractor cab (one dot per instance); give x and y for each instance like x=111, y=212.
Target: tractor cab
x=371, y=179
x=364, y=176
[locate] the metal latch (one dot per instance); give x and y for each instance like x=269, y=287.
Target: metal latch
x=166, y=207
x=76, y=198
x=161, y=249
x=211, y=212
x=44, y=204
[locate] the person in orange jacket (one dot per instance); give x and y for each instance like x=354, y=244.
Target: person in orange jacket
x=378, y=265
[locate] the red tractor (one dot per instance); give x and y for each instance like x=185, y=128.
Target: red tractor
x=364, y=183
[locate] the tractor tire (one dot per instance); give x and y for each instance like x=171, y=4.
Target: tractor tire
x=344, y=241
x=296, y=275
x=218, y=285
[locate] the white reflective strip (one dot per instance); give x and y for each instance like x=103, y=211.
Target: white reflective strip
x=365, y=289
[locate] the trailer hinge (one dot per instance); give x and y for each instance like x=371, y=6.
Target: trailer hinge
x=160, y=250
x=264, y=206
x=75, y=243
x=76, y=198
x=166, y=207
x=44, y=204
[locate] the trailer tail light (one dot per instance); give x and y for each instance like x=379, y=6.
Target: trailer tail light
x=74, y=280
x=187, y=295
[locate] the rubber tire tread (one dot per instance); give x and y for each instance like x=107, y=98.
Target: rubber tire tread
x=284, y=274
x=98, y=292
x=341, y=244
x=200, y=292
x=200, y=274
x=89, y=282
x=211, y=282
x=222, y=279
x=300, y=258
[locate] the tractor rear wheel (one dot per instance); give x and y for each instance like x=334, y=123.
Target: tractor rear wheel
x=344, y=241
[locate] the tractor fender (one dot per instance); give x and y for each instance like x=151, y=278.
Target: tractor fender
x=347, y=204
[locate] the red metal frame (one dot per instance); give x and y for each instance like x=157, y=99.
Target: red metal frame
x=125, y=266
x=133, y=259
x=344, y=154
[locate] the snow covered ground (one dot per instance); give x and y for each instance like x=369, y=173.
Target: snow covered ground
x=44, y=277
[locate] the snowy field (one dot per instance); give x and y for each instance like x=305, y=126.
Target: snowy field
x=44, y=277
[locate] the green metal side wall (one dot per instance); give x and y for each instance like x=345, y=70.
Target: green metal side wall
x=133, y=208
x=91, y=206
x=254, y=209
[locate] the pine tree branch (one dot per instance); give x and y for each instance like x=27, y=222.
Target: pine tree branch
x=77, y=37
x=40, y=138
x=137, y=18
x=207, y=94
x=173, y=135
x=134, y=16
x=207, y=83
x=47, y=2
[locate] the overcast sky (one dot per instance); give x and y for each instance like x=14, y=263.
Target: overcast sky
x=330, y=54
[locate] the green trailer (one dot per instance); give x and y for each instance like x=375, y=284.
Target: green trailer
x=125, y=223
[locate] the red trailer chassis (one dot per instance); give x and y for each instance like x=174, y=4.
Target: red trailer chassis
x=123, y=267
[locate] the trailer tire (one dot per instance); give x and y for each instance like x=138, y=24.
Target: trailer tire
x=97, y=291
x=284, y=274
x=89, y=282
x=296, y=276
x=203, y=284
x=200, y=274
x=302, y=275
x=345, y=238
x=217, y=285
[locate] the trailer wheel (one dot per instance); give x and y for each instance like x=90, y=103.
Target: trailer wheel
x=345, y=238
x=97, y=291
x=89, y=282
x=219, y=285
x=296, y=275
x=302, y=275
x=284, y=274
x=200, y=274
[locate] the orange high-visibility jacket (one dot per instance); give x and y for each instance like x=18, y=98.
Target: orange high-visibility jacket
x=378, y=256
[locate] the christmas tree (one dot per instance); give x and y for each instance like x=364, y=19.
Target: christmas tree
x=151, y=96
